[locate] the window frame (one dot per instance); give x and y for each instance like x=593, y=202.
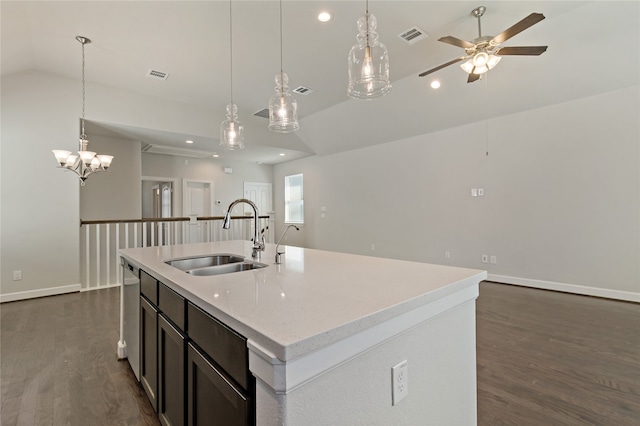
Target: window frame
x=298, y=202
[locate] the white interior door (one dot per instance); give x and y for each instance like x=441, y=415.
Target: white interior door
x=260, y=194
x=197, y=201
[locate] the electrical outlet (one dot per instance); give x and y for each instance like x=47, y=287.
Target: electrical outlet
x=474, y=192
x=17, y=275
x=447, y=255
x=485, y=258
x=399, y=382
x=493, y=260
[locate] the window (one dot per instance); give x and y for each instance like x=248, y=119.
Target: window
x=293, y=199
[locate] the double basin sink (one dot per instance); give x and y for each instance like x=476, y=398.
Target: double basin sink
x=214, y=264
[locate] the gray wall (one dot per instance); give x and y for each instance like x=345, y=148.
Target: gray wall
x=560, y=208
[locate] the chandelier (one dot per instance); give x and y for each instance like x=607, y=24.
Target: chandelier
x=86, y=162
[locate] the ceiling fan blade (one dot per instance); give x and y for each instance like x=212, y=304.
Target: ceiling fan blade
x=456, y=42
x=441, y=66
x=530, y=20
x=522, y=50
x=473, y=77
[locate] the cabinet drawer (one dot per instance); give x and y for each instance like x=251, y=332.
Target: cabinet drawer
x=226, y=347
x=149, y=287
x=172, y=305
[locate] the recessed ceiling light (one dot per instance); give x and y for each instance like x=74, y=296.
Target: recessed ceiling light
x=282, y=154
x=215, y=156
x=188, y=141
x=435, y=84
x=324, y=16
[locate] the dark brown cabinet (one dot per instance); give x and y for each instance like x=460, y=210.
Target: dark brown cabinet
x=212, y=399
x=149, y=350
x=194, y=369
x=171, y=373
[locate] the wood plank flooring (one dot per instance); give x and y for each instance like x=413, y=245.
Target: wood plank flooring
x=544, y=358
x=58, y=363
x=549, y=358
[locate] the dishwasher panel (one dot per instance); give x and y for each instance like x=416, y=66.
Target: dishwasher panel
x=131, y=314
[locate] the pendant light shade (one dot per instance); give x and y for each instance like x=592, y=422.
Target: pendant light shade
x=283, y=108
x=231, y=131
x=368, y=62
x=86, y=162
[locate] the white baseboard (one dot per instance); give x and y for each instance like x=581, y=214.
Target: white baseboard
x=567, y=288
x=32, y=294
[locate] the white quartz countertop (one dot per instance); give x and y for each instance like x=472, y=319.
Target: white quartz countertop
x=311, y=300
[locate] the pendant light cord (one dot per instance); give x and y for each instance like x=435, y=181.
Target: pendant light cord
x=231, y=50
x=281, y=66
x=83, y=92
x=366, y=14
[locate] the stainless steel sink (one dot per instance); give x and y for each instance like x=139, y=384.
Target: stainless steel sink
x=189, y=263
x=214, y=264
x=226, y=269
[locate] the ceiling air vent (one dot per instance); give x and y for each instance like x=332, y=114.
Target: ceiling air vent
x=303, y=90
x=413, y=35
x=172, y=150
x=264, y=113
x=159, y=75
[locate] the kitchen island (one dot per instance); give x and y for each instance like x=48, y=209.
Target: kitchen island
x=323, y=331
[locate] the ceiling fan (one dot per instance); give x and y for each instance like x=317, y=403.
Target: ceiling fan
x=484, y=53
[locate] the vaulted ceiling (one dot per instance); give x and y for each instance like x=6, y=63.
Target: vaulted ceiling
x=593, y=48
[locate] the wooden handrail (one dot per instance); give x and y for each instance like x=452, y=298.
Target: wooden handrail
x=163, y=219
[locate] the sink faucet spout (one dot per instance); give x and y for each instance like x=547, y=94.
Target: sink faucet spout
x=279, y=254
x=258, y=243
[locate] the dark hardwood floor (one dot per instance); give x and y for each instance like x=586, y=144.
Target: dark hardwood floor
x=58, y=363
x=549, y=358
x=544, y=358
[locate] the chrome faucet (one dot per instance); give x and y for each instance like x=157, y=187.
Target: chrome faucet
x=258, y=243
x=278, y=254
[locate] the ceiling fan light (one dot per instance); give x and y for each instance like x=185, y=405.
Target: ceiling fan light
x=493, y=61
x=467, y=66
x=480, y=59
x=480, y=70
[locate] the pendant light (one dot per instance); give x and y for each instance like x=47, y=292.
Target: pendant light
x=86, y=162
x=283, y=108
x=231, y=131
x=368, y=62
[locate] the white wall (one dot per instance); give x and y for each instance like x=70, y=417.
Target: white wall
x=560, y=209
x=40, y=203
x=117, y=193
x=226, y=187
x=40, y=209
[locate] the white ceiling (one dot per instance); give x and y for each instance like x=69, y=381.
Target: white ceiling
x=593, y=48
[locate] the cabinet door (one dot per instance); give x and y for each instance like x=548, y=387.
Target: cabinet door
x=212, y=399
x=149, y=350
x=171, y=374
